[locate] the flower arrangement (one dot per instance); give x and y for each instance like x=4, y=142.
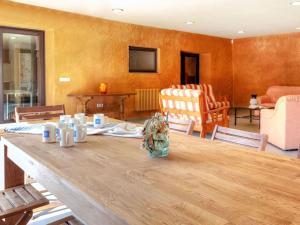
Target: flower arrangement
x=156, y=136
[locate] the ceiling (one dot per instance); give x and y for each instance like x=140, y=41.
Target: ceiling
x=223, y=18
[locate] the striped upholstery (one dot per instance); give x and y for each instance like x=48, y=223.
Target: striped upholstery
x=207, y=89
x=187, y=108
x=181, y=105
x=188, y=104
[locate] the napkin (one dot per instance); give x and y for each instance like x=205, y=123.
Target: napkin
x=24, y=128
x=111, y=129
x=105, y=128
x=125, y=130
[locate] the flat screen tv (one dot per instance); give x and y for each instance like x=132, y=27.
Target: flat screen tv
x=142, y=60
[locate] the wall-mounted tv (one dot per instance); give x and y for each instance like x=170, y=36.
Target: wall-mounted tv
x=142, y=60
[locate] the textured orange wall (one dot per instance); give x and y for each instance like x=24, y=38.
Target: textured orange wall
x=261, y=62
x=92, y=50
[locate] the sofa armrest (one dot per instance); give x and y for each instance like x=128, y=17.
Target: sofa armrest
x=264, y=99
x=267, y=113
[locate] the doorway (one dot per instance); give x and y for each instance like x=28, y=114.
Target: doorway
x=22, y=70
x=190, y=68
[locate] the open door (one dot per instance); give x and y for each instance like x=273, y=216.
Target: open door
x=21, y=70
x=190, y=68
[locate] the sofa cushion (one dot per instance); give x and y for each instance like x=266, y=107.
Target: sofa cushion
x=268, y=105
x=275, y=92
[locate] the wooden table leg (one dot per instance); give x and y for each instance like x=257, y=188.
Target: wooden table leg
x=83, y=102
x=10, y=176
x=235, y=115
x=122, y=107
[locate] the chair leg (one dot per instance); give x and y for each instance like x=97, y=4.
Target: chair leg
x=11, y=220
x=25, y=218
x=2, y=222
x=203, y=132
x=226, y=118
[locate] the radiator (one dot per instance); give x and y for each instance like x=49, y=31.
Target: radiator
x=146, y=99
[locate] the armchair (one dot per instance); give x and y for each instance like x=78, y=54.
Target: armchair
x=190, y=104
x=212, y=101
x=282, y=124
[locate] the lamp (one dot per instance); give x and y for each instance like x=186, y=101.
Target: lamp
x=103, y=88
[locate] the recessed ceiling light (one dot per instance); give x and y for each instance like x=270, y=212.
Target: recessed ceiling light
x=241, y=32
x=117, y=11
x=190, y=22
x=295, y=3
x=13, y=37
x=298, y=28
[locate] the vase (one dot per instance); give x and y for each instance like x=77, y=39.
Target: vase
x=253, y=100
x=159, y=153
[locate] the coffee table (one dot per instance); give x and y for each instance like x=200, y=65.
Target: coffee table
x=251, y=116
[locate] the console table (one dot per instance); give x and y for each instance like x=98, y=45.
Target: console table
x=85, y=98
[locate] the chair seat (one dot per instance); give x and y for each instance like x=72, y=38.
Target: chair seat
x=20, y=199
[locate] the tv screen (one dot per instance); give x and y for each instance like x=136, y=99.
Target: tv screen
x=142, y=59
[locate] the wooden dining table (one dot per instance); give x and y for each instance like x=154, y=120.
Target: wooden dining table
x=112, y=181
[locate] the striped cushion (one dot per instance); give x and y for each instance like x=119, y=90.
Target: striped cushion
x=182, y=105
x=207, y=89
x=215, y=105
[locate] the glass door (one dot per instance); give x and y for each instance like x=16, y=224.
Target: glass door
x=22, y=70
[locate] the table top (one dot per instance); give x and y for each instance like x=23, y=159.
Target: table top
x=101, y=94
x=201, y=182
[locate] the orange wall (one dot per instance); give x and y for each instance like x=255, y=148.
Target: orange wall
x=261, y=62
x=92, y=50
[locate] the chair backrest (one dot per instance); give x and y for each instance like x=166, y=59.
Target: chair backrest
x=38, y=112
x=183, y=104
x=245, y=138
x=186, y=126
x=206, y=88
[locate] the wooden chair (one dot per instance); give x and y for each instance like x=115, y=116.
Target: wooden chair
x=246, y=138
x=73, y=221
x=19, y=202
x=192, y=104
x=38, y=112
x=186, y=126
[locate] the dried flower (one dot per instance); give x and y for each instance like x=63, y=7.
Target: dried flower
x=155, y=133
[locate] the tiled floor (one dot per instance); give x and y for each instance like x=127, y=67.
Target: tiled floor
x=244, y=124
